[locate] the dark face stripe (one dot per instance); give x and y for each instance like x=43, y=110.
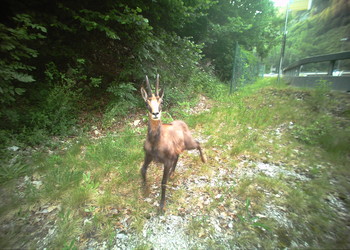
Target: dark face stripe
x=154, y=104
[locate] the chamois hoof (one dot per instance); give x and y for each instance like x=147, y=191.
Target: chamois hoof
x=161, y=210
x=172, y=175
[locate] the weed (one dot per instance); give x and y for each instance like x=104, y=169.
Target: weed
x=313, y=132
x=319, y=100
x=70, y=246
x=144, y=246
x=247, y=218
x=68, y=227
x=12, y=170
x=323, y=132
x=200, y=226
x=88, y=183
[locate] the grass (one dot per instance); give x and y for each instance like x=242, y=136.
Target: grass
x=318, y=138
x=92, y=186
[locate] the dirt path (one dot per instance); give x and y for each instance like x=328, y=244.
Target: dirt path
x=203, y=217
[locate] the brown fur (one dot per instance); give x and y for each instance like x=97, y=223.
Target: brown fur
x=165, y=142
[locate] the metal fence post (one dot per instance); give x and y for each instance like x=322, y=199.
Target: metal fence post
x=235, y=61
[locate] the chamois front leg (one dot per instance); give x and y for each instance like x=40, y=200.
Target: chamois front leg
x=148, y=159
x=167, y=167
x=145, y=187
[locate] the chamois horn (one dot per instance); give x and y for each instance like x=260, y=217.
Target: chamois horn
x=157, y=85
x=148, y=87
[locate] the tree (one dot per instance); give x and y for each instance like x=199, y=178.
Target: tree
x=253, y=24
x=317, y=31
x=16, y=70
x=95, y=49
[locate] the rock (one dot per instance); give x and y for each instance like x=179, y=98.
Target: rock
x=121, y=236
x=37, y=184
x=218, y=196
x=13, y=148
x=87, y=221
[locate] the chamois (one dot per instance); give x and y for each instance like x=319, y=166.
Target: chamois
x=164, y=142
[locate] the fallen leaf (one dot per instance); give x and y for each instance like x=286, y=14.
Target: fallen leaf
x=137, y=122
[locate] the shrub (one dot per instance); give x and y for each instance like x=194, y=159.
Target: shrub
x=57, y=111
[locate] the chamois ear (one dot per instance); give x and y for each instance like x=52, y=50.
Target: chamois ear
x=161, y=93
x=144, y=94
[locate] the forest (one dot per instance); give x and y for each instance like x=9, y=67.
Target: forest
x=63, y=59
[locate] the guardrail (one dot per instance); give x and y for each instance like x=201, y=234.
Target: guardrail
x=340, y=80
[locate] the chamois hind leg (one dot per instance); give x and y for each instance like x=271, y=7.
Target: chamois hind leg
x=193, y=144
x=167, y=168
x=172, y=170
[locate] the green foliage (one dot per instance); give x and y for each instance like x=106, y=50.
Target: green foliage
x=123, y=102
x=93, y=48
x=124, y=92
x=60, y=177
x=57, y=112
x=67, y=224
x=253, y=24
x=245, y=69
x=12, y=170
x=208, y=84
x=15, y=54
x=88, y=183
x=322, y=128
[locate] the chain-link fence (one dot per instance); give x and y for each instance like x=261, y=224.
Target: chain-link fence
x=246, y=68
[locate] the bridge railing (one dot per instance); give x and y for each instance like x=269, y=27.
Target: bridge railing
x=331, y=72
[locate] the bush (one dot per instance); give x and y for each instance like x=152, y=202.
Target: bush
x=124, y=100
x=57, y=111
x=208, y=84
x=123, y=92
